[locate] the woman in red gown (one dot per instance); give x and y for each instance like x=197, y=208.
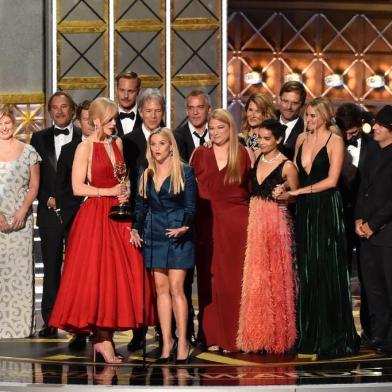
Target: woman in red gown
x=222, y=174
x=101, y=289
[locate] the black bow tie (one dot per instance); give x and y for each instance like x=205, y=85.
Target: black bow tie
x=130, y=115
x=202, y=138
x=58, y=131
x=352, y=142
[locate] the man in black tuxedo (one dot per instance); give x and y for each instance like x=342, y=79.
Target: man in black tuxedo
x=292, y=97
x=195, y=131
x=350, y=118
x=128, y=88
x=48, y=143
x=68, y=204
x=373, y=224
x=151, y=106
x=192, y=134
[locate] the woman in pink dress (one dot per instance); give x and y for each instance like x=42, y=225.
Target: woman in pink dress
x=267, y=316
x=101, y=289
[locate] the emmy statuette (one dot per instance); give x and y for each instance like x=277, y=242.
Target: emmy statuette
x=121, y=212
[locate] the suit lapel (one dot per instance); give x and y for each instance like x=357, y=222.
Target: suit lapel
x=189, y=139
x=298, y=128
x=48, y=140
x=119, y=127
x=76, y=134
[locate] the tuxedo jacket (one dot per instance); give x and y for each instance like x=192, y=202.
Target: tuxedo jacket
x=184, y=141
x=288, y=148
x=65, y=199
x=374, y=203
x=134, y=148
x=43, y=142
x=120, y=130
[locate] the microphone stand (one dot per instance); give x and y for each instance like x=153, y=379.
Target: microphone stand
x=145, y=200
x=144, y=277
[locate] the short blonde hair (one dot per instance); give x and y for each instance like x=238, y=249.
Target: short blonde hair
x=8, y=111
x=264, y=104
x=324, y=107
x=177, y=183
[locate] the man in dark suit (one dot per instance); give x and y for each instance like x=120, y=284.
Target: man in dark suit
x=373, y=224
x=292, y=97
x=192, y=134
x=151, y=106
x=195, y=131
x=128, y=88
x=68, y=204
x=48, y=143
x=350, y=118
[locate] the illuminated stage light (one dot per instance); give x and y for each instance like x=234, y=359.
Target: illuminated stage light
x=334, y=80
x=375, y=81
x=253, y=77
x=293, y=77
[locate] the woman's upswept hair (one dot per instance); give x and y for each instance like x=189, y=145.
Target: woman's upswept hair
x=8, y=111
x=264, y=104
x=325, y=108
x=177, y=183
x=102, y=108
x=233, y=172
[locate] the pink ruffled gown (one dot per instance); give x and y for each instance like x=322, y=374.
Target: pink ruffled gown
x=267, y=313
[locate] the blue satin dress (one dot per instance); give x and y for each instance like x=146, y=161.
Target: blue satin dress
x=162, y=210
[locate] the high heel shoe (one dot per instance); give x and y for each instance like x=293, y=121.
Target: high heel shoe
x=105, y=354
x=184, y=361
x=165, y=360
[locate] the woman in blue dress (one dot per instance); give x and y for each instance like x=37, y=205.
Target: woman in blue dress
x=165, y=205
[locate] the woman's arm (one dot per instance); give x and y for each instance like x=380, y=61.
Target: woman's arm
x=300, y=140
x=189, y=204
x=79, y=175
x=19, y=216
x=336, y=157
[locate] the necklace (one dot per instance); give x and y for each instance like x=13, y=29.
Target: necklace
x=263, y=158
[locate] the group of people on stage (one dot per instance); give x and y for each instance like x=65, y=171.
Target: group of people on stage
x=258, y=212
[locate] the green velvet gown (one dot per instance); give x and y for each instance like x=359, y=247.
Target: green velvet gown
x=325, y=320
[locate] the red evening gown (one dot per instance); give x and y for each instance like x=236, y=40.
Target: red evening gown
x=221, y=221
x=102, y=281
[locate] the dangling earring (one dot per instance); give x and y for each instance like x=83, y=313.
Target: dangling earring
x=95, y=127
x=171, y=153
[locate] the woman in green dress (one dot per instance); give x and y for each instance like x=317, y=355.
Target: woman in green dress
x=325, y=322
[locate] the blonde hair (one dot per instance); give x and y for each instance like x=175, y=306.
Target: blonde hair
x=177, y=183
x=102, y=108
x=266, y=107
x=233, y=172
x=324, y=107
x=8, y=111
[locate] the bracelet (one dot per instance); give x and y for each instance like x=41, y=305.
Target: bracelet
x=98, y=194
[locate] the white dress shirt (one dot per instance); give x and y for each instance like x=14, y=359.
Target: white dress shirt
x=355, y=151
x=146, y=132
x=127, y=123
x=290, y=125
x=196, y=140
x=61, y=140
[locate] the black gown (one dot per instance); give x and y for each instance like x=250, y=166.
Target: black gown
x=325, y=320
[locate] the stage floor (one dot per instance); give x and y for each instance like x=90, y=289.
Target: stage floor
x=49, y=361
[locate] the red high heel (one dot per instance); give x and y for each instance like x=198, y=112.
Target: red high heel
x=106, y=352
